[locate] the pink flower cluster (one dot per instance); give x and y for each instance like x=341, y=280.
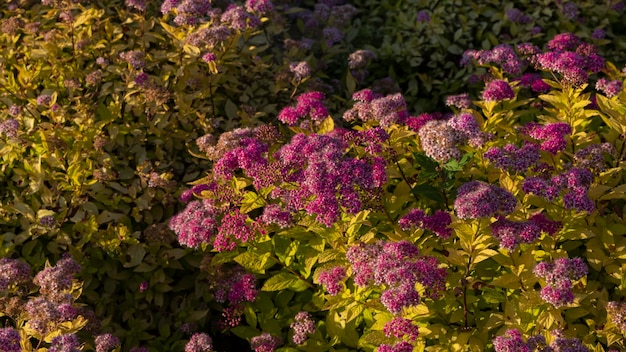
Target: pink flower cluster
x=65, y=343
x=511, y=233
x=461, y=101
x=199, y=342
x=233, y=230
x=106, y=342
x=327, y=178
x=616, y=311
x=559, y=276
x=439, y=222
x=574, y=182
x=401, y=327
x=370, y=106
x=331, y=279
x=197, y=224
x=502, y=54
x=570, y=57
x=513, y=158
x=397, y=266
x=265, y=343
x=302, y=327
x=440, y=137
x=552, y=135
x=401, y=346
x=609, y=88
x=57, y=278
x=512, y=341
x=236, y=289
x=309, y=104
x=477, y=199
x=13, y=272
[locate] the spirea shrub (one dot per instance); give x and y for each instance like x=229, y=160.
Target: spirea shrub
x=225, y=179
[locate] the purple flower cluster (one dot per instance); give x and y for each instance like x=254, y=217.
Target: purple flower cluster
x=265, y=343
x=502, y=54
x=423, y=16
x=477, y=199
x=370, y=106
x=400, y=327
x=259, y=6
x=575, y=182
x=401, y=346
x=512, y=341
x=10, y=340
x=551, y=135
x=331, y=279
x=467, y=130
x=438, y=223
x=534, y=82
x=308, y=104
x=517, y=16
x=274, y=214
x=13, y=272
x=199, y=342
x=139, y=5
x=209, y=37
x=397, y=266
x=57, y=278
x=302, y=327
x=591, y=157
x=609, y=88
x=106, y=342
x=9, y=127
x=65, y=343
x=559, y=276
x=237, y=18
x=44, y=99
x=511, y=233
x=569, y=57
x=461, y=101
x=513, y=158
x=187, y=11
x=238, y=288
x=498, y=90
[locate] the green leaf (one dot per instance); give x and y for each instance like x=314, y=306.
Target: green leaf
x=135, y=253
x=251, y=201
x=283, y=281
x=231, y=110
x=428, y=191
x=255, y=261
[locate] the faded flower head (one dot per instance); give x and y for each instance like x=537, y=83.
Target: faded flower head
x=106, y=342
x=265, y=342
x=199, y=342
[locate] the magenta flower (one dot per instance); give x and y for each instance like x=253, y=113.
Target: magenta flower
x=498, y=90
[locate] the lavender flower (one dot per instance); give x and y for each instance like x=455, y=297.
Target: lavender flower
x=57, y=278
x=598, y=34
x=44, y=99
x=402, y=346
x=199, y=342
x=15, y=110
x=261, y=6
x=517, y=16
x=438, y=223
x=511, y=341
x=134, y=58
x=513, y=158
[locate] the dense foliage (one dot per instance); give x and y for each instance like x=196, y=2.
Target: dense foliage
x=199, y=176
